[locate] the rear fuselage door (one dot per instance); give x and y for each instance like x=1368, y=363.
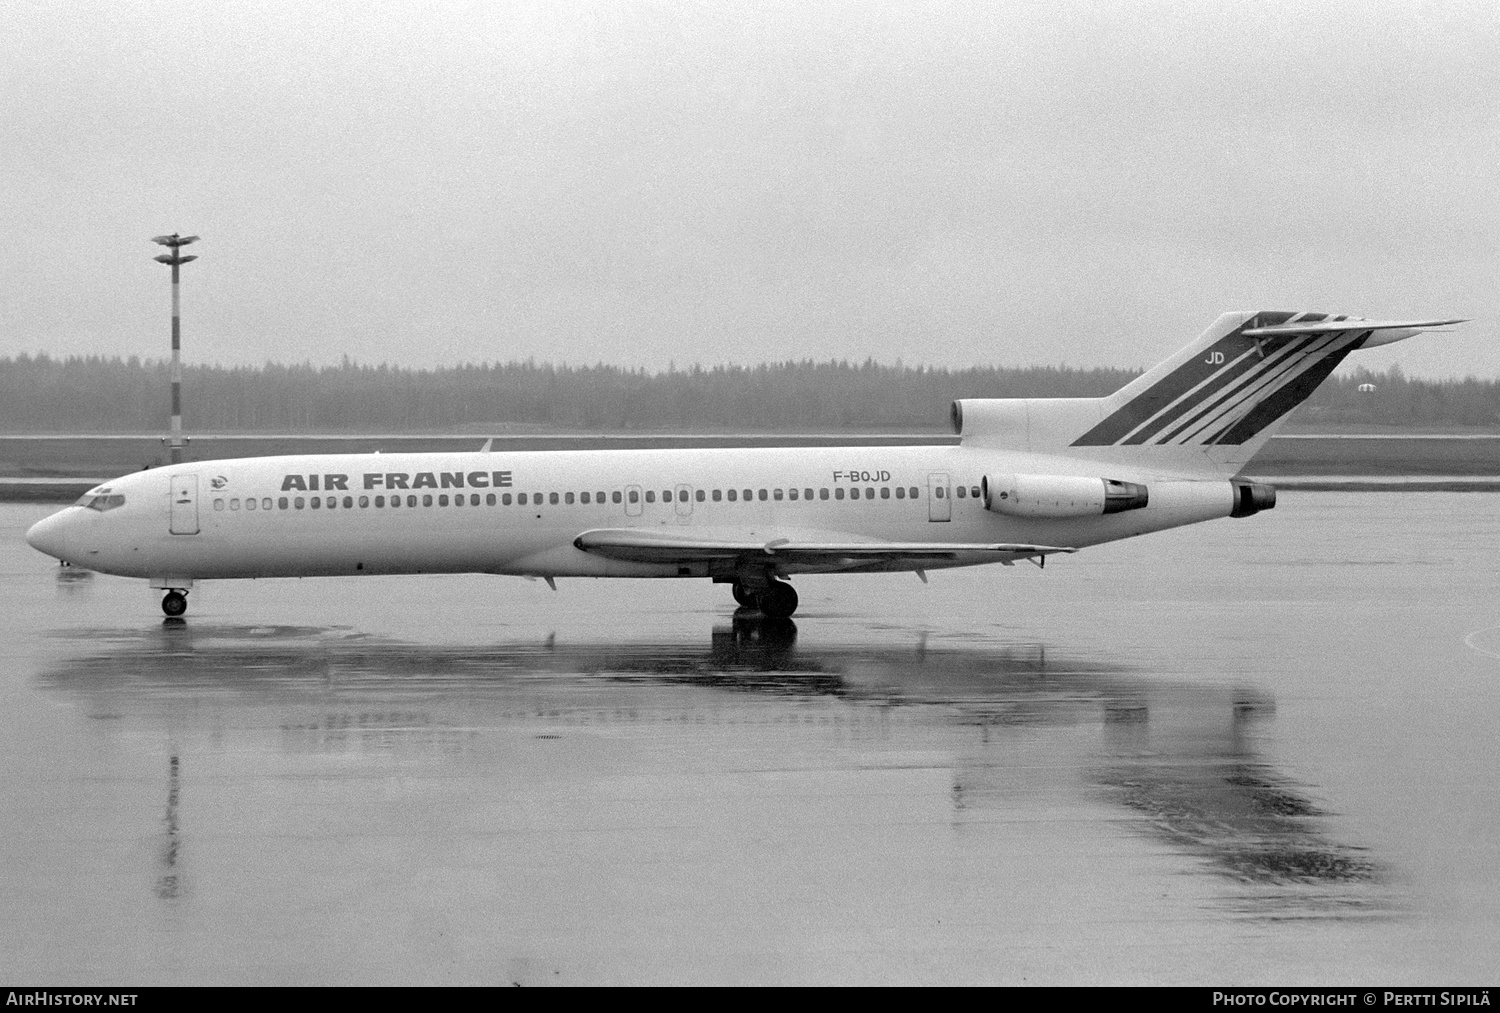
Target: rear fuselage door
x=684, y=504
x=184, y=508
x=939, y=501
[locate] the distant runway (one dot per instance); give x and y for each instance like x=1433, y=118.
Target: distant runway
x=1248, y=751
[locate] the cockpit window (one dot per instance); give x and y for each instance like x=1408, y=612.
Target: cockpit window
x=101, y=503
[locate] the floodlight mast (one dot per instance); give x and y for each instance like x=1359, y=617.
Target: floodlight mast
x=175, y=243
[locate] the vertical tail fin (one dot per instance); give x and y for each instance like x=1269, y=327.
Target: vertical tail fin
x=1213, y=404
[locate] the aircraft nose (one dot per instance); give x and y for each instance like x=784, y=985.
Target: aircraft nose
x=49, y=535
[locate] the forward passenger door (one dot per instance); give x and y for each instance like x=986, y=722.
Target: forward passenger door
x=183, y=518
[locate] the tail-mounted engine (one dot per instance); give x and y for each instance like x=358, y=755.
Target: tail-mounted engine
x=1252, y=498
x=1061, y=495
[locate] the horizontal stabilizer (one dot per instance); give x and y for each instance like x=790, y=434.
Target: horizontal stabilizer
x=1342, y=326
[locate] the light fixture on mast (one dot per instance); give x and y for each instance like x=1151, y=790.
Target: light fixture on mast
x=175, y=243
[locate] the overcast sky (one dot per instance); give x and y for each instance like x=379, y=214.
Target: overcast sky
x=641, y=183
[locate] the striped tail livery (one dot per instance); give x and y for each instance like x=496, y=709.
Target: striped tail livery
x=1208, y=408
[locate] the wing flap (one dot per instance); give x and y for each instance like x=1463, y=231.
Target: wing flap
x=640, y=546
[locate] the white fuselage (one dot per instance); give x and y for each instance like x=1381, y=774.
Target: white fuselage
x=334, y=514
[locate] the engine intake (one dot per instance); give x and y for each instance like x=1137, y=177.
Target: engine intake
x=1060, y=495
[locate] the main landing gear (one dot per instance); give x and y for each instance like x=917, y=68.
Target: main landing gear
x=174, y=604
x=776, y=600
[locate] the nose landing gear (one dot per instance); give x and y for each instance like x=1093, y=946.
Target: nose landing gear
x=174, y=603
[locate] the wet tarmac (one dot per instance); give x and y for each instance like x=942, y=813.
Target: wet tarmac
x=1259, y=751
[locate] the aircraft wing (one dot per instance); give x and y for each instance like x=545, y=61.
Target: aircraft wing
x=649, y=546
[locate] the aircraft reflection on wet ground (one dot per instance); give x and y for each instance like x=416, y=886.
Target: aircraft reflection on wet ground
x=1179, y=762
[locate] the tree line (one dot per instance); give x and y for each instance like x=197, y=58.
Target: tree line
x=96, y=394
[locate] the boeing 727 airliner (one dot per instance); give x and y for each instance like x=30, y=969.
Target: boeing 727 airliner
x=1029, y=478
